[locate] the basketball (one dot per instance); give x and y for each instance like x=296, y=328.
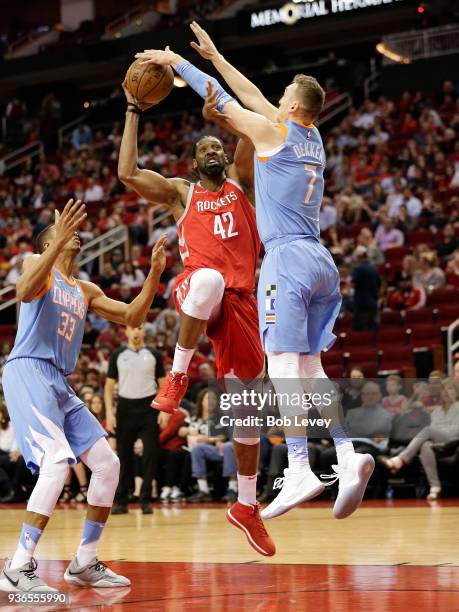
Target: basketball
x=149, y=83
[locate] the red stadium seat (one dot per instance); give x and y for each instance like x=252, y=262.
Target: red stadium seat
x=448, y=314
x=391, y=317
x=392, y=336
x=396, y=358
x=332, y=357
x=363, y=339
x=421, y=237
x=396, y=254
x=425, y=335
x=420, y=315
x=343, y=322
x=359, y=356
x=334, y=371
x=444, y=296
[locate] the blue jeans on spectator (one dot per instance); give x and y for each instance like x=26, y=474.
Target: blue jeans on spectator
x=202, y=453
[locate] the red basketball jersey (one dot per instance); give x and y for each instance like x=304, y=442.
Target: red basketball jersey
x=218, y=230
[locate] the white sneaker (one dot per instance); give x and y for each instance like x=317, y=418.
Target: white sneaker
x=353, y=474
x=176, y=495
x=165, y=494
x=297, y=487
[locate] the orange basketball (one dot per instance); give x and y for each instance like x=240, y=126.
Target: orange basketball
x=149, y=83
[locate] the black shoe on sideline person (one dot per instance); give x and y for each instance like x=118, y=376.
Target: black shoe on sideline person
x=147, y=508
x=200, y=497
x=119, y=509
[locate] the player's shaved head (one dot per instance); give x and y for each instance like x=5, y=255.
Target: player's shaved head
x=311, y=95
x=44, y=238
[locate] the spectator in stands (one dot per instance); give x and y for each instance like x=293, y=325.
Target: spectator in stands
x=328, y=214
x=367, y=240
x=429, y=275
x=212, y=446
x=407, y=296
x=443, y=428
x=108, y=278
x=93, y=192
x=365, y=279
x=173, y=454
x=352, y=394
x=131, y=276
x=395, y=402
x=387, y=236
x=81, y=136
x=449, y=242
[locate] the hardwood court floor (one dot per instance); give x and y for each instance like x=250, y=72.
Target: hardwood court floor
x=395, y=556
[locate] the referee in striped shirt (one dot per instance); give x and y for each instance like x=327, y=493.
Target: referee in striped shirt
x=138, y=370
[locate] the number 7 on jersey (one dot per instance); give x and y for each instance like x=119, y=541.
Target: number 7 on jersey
x=310, y=168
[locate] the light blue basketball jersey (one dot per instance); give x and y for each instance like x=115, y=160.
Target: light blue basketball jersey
x=51, y=327
x=290, y=185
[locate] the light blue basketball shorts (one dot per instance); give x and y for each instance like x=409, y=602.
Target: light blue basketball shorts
x=47, y=416
x=299, y=297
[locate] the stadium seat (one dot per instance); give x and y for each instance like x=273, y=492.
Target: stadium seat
x=392, y=336
x=395, y=359
x=362, y=356
x=448, y=314
x=396, y=254
x=420, y=315
x=391, y=317
x=425, y=334
x=444, y=296
x=343, y=322
x=334, y=371
x=333, y=357
x=364, y=339
x=421, y=237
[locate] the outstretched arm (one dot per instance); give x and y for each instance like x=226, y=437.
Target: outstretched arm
x=264, y=134
x=36, y=269
x=135, y=313
x=248, y=93
x=148, y=184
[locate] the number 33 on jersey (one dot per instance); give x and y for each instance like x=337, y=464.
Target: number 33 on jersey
x=218, y=230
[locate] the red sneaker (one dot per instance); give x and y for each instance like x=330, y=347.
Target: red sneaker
x=247, y=518
x=171, y=393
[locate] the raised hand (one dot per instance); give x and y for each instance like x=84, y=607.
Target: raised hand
x=69, y=220
x=162, y=58
x=158, y=255
x=209, y=110
x=130, y=98
x=206, y=47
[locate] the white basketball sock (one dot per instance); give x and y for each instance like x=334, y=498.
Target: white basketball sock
x=247, y=489
x=182, y=358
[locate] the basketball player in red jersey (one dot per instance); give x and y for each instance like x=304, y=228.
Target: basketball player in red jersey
x=219, y=246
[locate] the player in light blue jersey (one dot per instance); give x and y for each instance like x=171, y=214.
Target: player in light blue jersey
x=53, y=427
x=298, y=290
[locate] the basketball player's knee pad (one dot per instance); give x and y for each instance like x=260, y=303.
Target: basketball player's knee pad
x=206, y=292
x=48, y=487
x=105, y=468
x=283, y=365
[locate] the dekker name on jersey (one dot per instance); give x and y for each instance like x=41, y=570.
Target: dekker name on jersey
x=218, y=230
